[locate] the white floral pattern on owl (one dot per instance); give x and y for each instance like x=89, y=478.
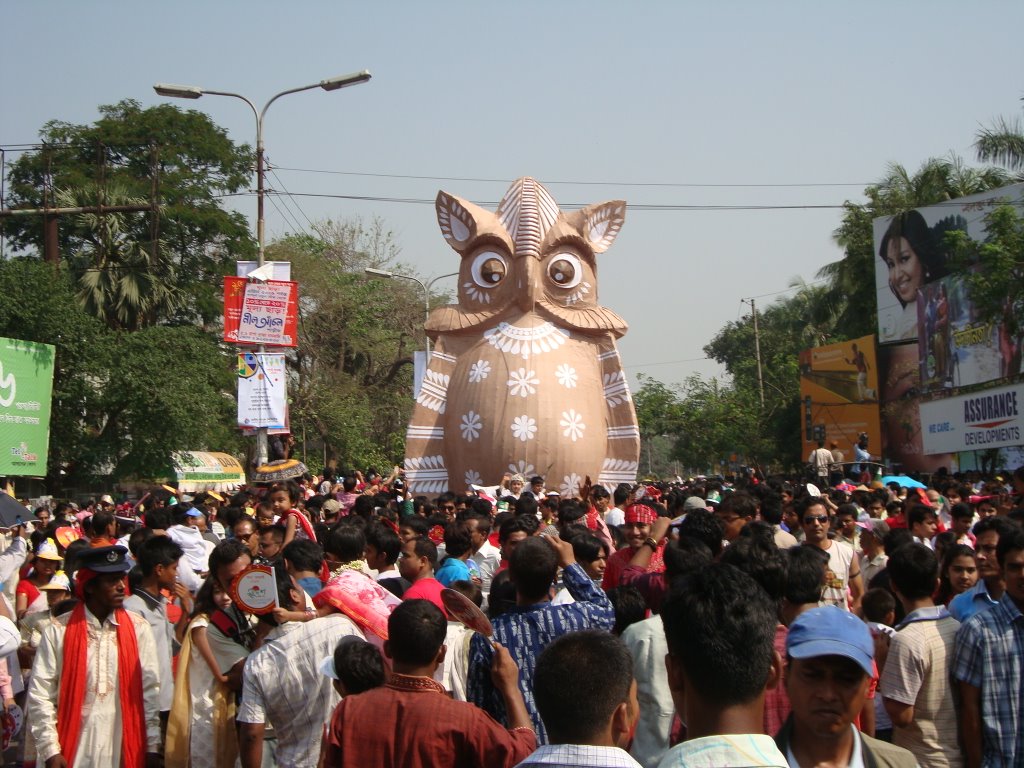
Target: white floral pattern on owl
x=566, y=376
x=522, y=383
x=478, y=371
x=572, y=424
x=545, y=337
x=521, y=467
x=471, y=426
x=524, y=428
x=570, y=486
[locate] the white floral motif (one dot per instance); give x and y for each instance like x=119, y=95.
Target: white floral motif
x=521, y=468
x=524, y=428
x=522, y=383
x=566, y=375
x=471, y=426
x=473, y=478
x=572, y=424
x=478, y=371
x=570, y=486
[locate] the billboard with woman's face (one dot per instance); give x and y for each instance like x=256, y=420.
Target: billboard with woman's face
x=911, y=264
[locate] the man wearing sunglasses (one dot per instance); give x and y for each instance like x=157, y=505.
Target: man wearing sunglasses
x=843, y=584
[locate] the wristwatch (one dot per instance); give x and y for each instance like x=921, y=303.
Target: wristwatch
x=651, y=543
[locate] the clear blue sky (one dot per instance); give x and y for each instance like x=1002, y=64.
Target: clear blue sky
x=617, y=95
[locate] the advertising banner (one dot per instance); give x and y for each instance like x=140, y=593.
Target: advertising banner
x=261, y=312
x=26, y=389
x=956, y=349
x=279, y=270
x=988, y=419
x=902, y=441
x=262, y=390
x=839, y=392
x=912, y=269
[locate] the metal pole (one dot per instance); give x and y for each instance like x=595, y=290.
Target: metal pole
x=757, y=349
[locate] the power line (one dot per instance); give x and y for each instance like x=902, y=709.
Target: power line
x=294, y=201
x=576, y=183
x=786, y=290
x=668, y=362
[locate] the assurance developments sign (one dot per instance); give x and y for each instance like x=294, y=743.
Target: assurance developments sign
x=990, y=419
x=26, y=388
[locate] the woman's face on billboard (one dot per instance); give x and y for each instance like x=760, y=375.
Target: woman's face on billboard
x=906, y=273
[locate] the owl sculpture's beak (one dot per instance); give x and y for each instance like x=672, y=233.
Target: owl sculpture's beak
x=526, y=296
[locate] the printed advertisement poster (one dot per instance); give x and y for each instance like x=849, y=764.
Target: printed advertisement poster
x=911, y=256
x=261, y=312
x=975, y=422
x=26, y=389
x=262, y=390
x=902, y=439
x=956, y=348
x=839, y=393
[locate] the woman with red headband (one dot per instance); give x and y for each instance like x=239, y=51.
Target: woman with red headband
x=93, y=699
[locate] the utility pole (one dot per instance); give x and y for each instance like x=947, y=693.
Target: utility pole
x=757, y=350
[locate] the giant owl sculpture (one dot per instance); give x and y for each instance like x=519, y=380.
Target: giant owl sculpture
x=525, y=376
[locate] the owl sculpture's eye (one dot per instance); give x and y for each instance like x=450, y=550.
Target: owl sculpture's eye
x=565, y=270
x=489, y=269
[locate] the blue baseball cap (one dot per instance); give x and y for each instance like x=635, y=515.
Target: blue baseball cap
x=831, y=631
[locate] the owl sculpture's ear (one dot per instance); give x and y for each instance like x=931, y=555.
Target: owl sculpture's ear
x=462, y=222
x=599, y=224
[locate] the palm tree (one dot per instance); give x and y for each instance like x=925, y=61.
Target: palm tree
x=1002, y=143
x=122, y=280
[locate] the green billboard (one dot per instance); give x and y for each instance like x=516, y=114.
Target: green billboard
x=26, y=386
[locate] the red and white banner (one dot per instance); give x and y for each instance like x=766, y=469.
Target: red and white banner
x=261, y=312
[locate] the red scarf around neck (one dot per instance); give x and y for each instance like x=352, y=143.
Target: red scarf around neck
x=73, y=684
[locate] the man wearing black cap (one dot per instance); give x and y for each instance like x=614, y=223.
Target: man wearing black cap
x=94, y=692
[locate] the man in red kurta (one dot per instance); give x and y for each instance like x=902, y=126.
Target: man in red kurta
x=413, y=722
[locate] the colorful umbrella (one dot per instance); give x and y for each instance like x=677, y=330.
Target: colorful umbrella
x=903, y=481
x=277, y=471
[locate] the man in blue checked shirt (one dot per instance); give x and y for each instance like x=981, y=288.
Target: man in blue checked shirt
x=988, y=664
x=534, y=622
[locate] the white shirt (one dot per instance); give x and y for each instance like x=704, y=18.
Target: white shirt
x=646, y=642
x=487, y=558
x=99, y=740
x=154, y=611
x=579, y=756
x=282, y=685
x=749, y=750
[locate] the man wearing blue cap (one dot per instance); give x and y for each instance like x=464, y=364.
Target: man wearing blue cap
x=829, y=654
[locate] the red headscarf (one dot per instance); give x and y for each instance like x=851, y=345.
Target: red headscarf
x=641, y=513
x=71, y=696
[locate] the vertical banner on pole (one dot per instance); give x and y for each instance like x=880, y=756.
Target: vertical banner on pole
x=262, y=390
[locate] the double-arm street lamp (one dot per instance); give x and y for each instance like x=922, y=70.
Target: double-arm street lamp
x=426, y=291
x=194, y=92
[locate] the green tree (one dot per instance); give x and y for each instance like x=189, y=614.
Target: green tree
x=124, y=282
x=352, y=373
x=179, y=158
x=122, y=402
x=1002, y=143
x=994, y=268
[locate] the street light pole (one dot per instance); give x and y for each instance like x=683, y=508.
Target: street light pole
x=426, y=293
x=194, y=92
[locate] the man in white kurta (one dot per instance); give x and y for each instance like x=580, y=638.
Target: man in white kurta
x=99, y=741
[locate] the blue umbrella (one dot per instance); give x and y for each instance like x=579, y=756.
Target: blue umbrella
x=903, y=481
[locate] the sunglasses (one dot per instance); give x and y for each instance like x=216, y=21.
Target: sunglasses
x=816, y=519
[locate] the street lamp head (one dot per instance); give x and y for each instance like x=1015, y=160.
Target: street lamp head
x=378, y=272
x=178, y=91
x=343, y=81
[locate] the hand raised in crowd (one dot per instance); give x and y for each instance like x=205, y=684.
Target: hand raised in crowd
x=659, y=528
x=563, y=549
x=504, y=672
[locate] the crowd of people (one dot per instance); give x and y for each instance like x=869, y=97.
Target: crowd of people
x=741, y=621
